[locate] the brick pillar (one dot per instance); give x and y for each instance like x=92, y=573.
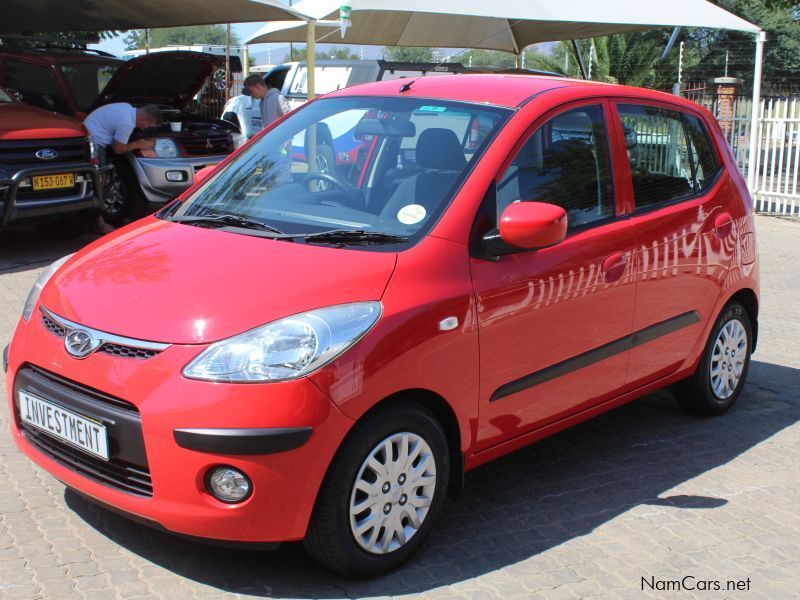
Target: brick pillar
x=725, y=90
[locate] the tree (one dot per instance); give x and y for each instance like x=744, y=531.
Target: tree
x=486, y=58
x=299, y=54
x=408, y=54
x=781, y=52
x=180, y=36
x=73, y=39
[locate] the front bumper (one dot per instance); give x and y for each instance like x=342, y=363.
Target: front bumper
x=282, y=435
x=152, y=175
x=87, y=194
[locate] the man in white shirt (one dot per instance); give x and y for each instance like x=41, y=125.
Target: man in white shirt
x=111, y=126
x=273, y=104
x=248, y=117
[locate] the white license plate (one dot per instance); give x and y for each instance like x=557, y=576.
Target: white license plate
x=72, y=428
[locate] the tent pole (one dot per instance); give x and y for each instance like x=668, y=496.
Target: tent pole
x=579, y=58
x=228, y=63
x=755, y=112
x=311, y=49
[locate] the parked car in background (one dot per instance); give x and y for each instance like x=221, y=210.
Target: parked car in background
x=74, y=82
x=351, y=349
x=185, y=142
x=48, y=169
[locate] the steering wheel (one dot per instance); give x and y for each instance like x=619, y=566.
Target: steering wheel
x=343, y=185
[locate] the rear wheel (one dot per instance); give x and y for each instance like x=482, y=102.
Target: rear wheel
x=722, y=371
x=382, y=493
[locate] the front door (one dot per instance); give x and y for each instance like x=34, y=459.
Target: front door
x=554, y=322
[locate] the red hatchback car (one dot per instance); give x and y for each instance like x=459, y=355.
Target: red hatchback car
x=283, y=354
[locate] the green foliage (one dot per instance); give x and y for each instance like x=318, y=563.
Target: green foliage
x=408, y=54
x=781, y=52
x=180, y=36
x=299, y=54
x=486, y=58
x=69, y=39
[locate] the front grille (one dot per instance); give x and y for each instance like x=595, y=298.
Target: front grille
x=199, y=144
x=115, y=473
x=52, y=326
x=126, y=351
x=127, y=468
x=109, y=348
x=22, y=153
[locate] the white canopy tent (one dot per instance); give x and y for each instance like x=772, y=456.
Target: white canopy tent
x=508, y=25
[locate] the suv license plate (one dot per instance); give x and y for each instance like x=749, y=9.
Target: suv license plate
x=74, y=429
x=52, y=182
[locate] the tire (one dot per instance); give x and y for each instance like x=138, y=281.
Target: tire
x=122, y=197
x=715, y=386
x=331, y=540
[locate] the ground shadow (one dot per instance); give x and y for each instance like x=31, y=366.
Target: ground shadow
x=23, y=248
x=514, y=508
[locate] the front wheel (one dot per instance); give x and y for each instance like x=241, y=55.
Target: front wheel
x=383, y=491
x=722, y=371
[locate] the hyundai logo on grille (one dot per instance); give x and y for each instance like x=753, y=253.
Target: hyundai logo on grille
x=47, y=154
x=80, y=343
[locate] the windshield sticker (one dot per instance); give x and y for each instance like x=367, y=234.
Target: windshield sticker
x=437, y=109
x=411, y=214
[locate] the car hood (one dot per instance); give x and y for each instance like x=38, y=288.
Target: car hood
x=164, y=78
x=23, y=122
x=180, y=284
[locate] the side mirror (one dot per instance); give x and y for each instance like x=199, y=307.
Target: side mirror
x=203, y=173
x=530, y=225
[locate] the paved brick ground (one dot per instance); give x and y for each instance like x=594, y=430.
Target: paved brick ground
x=645, y=491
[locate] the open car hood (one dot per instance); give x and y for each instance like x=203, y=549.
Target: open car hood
x=164, y=78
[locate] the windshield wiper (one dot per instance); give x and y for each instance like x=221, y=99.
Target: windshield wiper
x=353, y=236
x=232, y=220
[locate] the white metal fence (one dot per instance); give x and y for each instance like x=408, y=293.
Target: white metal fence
x=777, y=164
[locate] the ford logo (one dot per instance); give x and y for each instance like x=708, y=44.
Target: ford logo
x=80, y=343
x=46, y=154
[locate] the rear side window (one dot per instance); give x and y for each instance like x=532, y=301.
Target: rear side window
x=705, y=160
x=565, y=162
x=36, y=85
x=661, y=166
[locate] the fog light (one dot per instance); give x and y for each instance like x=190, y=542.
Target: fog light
x=177, y=176
x=228, y=484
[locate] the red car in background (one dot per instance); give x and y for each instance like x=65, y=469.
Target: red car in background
x=48, y=169
x=283, y=354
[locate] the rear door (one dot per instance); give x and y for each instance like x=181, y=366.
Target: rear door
x=680, y=196
x=554, y=322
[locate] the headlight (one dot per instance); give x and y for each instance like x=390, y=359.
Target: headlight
x=165, y=148
x=94, y=157
x=287, y=348
x=36, y=290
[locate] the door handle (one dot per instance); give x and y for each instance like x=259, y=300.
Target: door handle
x=614, y=266
x=723, y=225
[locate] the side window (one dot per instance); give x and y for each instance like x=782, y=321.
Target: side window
x=36, y=85
x=705, y=160
x=565, y=162
x=661, y=167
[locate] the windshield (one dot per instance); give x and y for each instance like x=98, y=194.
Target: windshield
x=4, y=97
x=372, y=165
x=87, y=79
